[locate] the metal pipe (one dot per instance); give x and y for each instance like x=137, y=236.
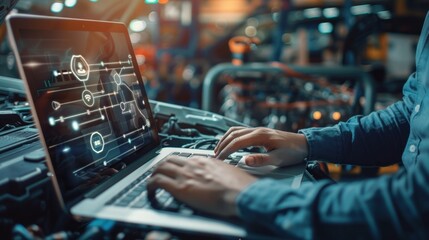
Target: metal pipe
x=213, y=74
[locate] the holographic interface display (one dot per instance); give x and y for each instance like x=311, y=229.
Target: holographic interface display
x=90, y=103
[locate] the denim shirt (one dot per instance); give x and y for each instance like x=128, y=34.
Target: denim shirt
x=390, y=207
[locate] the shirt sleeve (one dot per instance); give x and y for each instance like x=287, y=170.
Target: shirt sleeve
x=374, y=140
x=389, y=207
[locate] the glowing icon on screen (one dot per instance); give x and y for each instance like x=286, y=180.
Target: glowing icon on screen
x=56, y=105
x=117, y=79
x=88, y=98
x=80, y=68
x=97, y=142
x=81, y=71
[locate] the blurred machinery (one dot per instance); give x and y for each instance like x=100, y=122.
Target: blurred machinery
x=285, y=97
x=284, y=102
x=282, y=97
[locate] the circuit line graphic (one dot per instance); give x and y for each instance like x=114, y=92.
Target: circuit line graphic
x=97, y=104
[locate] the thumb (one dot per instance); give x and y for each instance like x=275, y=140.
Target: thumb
x=257, y=160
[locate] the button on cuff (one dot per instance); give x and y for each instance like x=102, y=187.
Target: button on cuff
x=412, y=148
x=417, y=108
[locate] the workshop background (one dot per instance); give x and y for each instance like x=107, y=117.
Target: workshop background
x=284, y=64
x=181, y=46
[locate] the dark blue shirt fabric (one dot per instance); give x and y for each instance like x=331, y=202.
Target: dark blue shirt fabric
x=390, y=207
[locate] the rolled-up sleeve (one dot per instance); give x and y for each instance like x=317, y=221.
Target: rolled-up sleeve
x=389, y=207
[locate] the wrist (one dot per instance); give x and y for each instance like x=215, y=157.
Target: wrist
x=303, y=146
x=230, y=199
x=306, y=144
x=230, y=202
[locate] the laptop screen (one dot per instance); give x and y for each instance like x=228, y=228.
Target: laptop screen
x=88, y=97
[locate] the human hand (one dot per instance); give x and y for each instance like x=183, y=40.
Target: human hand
x=206, y=184
x=293, y=146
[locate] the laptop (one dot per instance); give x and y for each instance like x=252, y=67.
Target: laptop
x=96, y=126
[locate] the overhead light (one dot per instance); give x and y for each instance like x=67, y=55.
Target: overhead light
x=186, y=13
x=317, y=115
x=331, y=12
x=325, y=27
x=384, y=14
x=276, y=16
x=312, y=12
x=361, y=9
x=57, y=7
x=250, y=31
x=172, y=11
x=70, y=3
x=137, y=25
x=336, y=116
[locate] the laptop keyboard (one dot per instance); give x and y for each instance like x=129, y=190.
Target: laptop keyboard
x=135, y=194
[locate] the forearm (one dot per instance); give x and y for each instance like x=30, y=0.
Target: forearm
x=379, y=208
x=284, y=211
x=374, y=140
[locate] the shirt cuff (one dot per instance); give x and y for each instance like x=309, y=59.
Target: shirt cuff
x=248, y=198
x=265, y=197
x=324, y=143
